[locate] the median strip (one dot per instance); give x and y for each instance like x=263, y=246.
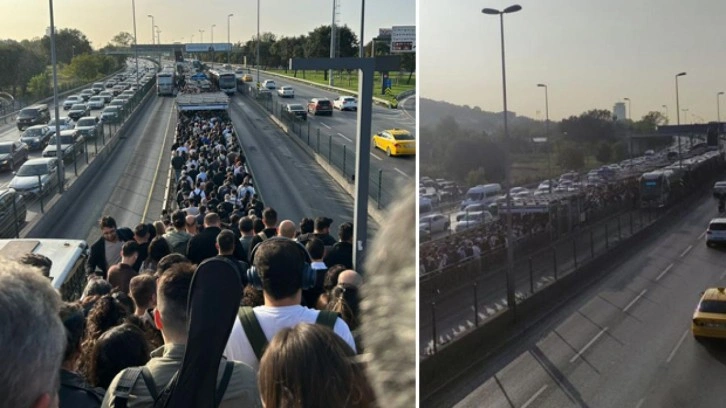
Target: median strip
x=587, y=346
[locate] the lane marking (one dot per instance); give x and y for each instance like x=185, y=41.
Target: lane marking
x=640, y=403
x=325, y=125
x=343, y=136
x=158, y=165
x=673, y=353
x=664, y=272
x=702, y=234
x=376, y=157
x=686, y=251
x=632, y=302
x=534, y=397
x=401, y=172
x=587, y=346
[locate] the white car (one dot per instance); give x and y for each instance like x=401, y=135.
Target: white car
x=96, y=102
x=473, y=220
x=471, y=209
x=269, y=84
x=434, y=223
x=72, y=100
x=64, y=122
x=345, y=103
x=286, y=92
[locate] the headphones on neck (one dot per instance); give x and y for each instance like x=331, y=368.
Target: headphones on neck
x=309, y=276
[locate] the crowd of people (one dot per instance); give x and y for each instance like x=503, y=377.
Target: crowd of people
x=124, y=343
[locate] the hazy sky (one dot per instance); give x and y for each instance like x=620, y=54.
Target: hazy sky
x=590, y=53
x=178, y=20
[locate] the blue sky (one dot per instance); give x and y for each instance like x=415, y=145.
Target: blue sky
x=590, y=53
x=178, y=20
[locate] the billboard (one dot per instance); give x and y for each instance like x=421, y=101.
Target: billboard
x=384, y=33
x=403, y=39
x=207, y=47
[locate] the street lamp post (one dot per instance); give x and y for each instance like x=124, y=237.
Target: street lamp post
x=212, y=41
x=201, y=36
x=666, y=111
x=158, y=36
x=511, y=300
x=361, y=50
x=257, y=58
x=718, y=108
x=547, y=135
x=685, y=115
x=61, y=171
x=136, y=47
x=229, y=16
x=152, y=27
x=678, y=119
x=630, y=113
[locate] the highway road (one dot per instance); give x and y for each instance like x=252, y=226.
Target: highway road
x=624, y=342
x=342, y=125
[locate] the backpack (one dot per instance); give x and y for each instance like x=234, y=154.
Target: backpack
x=131, y=375
x=257, y=337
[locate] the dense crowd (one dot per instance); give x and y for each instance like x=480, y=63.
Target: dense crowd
x=128, y=340
x=480, y=240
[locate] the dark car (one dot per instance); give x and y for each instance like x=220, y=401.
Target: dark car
x=36, y=137
x=295, y=110
x=78, y=111
x=12, y=213
x=12, y=154
x=88, y=126
x=111, y=114
x=27, y=182
x=33, y=115
x=71, y=144
x=320, y=106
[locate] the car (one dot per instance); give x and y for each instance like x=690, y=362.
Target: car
x=71, y=145
x=36, y=137
x=110, y=84
x=716, y=232
x=320, y=106
x=72, y=100
x=434, y=223
x=286, y=91
x=345, y=103
x=719, y=189
x=118, y=102
x=97, y=87
x=709, y=318
x=96, y=102
x=13, y=211
x=35, y=177
x=239, y=71
x=88, y=126
x=32, y=115
x=111, y=114
x=296, y=110
x=473, y=220
x=124, y=98
x=117, y=89
x=269, y=84
x=64, y=123
x=519, y=192
x=472, y=209
x=395, y=142
x=79, y=110
x=247, y=78
x=107, y=96
x=86, y=94
x=12, y=154
x=128, y=93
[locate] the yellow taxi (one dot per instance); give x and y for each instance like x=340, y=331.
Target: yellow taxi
x=395, y=142
x=247, y=77
x=709, y=318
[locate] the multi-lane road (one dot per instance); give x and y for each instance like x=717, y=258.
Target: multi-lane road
x=624, y=342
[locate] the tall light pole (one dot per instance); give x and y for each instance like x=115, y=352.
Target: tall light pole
x=718, y=107
x=212, y=41
x=136, y=48
x=257, y=59
x=678, y=119
x=511, y=300
x=229, y=16
x=158, y=36
x=191, y=39
x=685, y=115
x=361, y=51
x=666, y=111
x=630, y=113
x=201, y=36
x=152, y=28
x=61, y=171
x=547, y=135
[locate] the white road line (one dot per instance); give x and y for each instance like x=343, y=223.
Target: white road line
x=664, y=272
x=534, y=397
x=587, y=346
x=686, y=251
x=375, y=157
x=632, y=302
x=640, y=403
x=343, y=136
x=325, y=125
x=401, y=172
x=673, y=353
x=702, y=234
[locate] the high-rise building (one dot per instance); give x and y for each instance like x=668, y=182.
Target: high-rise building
x=619, y=111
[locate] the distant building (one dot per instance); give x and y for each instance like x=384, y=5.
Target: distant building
x=619, y=111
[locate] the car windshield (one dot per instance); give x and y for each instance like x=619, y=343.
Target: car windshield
x=712, y=306
x=6, y=148
x=403, y=136
x=475, y=196
x=324, y=103
x=27, y=113
x=111, y=109
x=717, y=226
x=32, y=169
x=78, y=106
x=86, y=122
x=33, y=132
x=296, y=107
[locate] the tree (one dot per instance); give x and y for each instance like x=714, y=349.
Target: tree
x=590, y=127
x=318, y=43
x=39, y=85
x=570, y=157
x=604, y=152
x=68, y=42
x=122, y=39
x=476, y=177
x=408, y=63
x=650, y=122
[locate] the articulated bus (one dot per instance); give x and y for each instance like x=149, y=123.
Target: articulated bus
x=225, y=81
x=165, y=81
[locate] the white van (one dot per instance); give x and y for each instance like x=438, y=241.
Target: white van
x=483, y=194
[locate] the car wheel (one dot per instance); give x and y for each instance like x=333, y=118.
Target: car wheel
x=388, y=151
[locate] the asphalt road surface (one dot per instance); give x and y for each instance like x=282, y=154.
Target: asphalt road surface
x=624, y=342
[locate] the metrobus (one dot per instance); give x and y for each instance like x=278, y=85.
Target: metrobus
x=165, y=81
x=225, y=81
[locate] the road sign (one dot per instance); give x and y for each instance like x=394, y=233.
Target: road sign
x=403, y=39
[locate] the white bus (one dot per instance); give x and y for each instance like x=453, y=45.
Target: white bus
x=483, y=194
x=225, y=81
x=165, y=82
